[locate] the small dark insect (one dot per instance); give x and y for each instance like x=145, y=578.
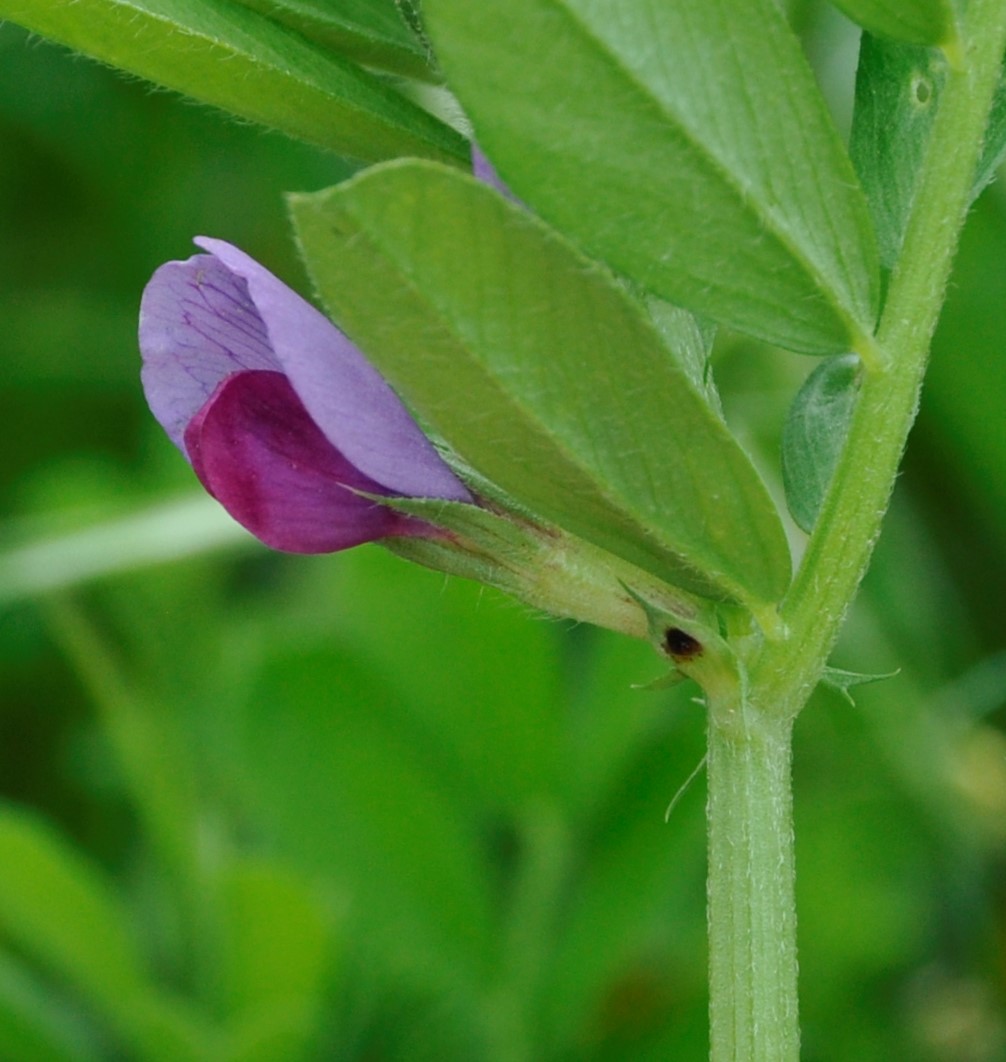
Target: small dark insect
x=680, y=645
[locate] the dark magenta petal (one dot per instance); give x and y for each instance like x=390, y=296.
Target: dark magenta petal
x=197, y=325
x=343, y=393
x=257, y=451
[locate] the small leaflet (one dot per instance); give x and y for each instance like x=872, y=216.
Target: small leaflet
x=814, y=435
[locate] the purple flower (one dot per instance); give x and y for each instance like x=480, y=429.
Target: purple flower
x=283, y=420
x=483, y=170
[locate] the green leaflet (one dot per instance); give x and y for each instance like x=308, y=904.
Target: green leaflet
x=913, y=21
x=994, y=148
x=691, y=340
x=333, y=787
x=814, y=434
x=35, y=1025
x=897, y=88
x=272, y=920
x=543, y=374
x=58, y=908
x=224, y=54
x=686, y=144
x=371, y=32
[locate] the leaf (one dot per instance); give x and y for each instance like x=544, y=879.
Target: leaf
x=690, y=340
x=153, y=756
x=370, y=32
x=59, y=910
x=542, y=373
x=994, y=147
x=36, y=1025
x=814, y=434
x=927, y=22
x=969, y=372
x=273, y=923
x=349, y=786
x=166, y=531
x=897, y=90
x=450, y=681
x=636, y=901
x=231, y=57
x=685, y=144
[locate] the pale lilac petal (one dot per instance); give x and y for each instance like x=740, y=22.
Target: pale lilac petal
x=484, y=170
x=197, y=325
x=344, y=394
x=257, y=451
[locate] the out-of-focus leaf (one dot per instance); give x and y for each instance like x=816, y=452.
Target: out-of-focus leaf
x=543, y=374
x=160, y=1028
x=613, y=715
x=57, y=908
x=686, y=144
x=338, y=774
x=371, y=32
x=151, y=751
x=963, y=410
x=897, y=89
x=927, y=22
x=994, y=147
x=629, y=915
x=278, y=946
x=164, y=532
x=814, y=434
x=35, y=1024
x=232, y=57
x=448, y=647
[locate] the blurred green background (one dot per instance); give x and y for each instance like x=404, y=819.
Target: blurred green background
x=258, y=807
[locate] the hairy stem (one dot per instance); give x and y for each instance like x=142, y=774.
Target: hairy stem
x=752, y=915
x=752, y=921
x=847, y=528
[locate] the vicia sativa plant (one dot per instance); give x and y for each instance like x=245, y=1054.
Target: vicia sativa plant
x=517, y=386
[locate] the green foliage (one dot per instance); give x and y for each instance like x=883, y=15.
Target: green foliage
x=994, y=147
x=339, y=808
x=710, y=175
x=897, y=89
x=925, y=22
x=227, y=55
x=277, y=946
x=815, y=431
x=371, y=32
x=560, y=391
x=74, y=925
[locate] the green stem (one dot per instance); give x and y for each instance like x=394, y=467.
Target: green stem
x=840, y=547
x=752, y=915
x=752, y=921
